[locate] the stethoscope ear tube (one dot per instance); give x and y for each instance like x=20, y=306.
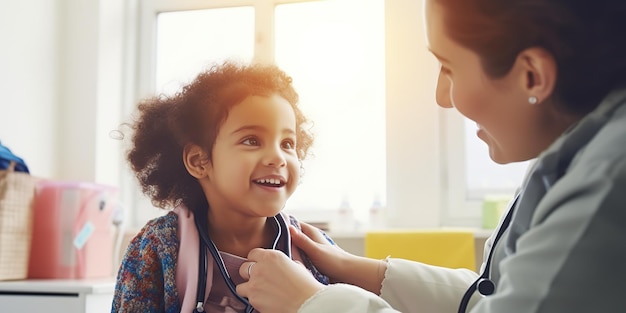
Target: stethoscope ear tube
x=205, y=240
x=202, y=265
x=483, y=284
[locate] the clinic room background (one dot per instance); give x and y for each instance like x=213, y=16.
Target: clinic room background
x=386, y=156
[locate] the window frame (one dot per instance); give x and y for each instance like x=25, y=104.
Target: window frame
x=459, y=208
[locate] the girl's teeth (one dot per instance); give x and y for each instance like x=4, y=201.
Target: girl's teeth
x=269, y=181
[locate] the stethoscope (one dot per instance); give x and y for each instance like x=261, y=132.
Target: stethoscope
x=483, y=284
x=206, y=242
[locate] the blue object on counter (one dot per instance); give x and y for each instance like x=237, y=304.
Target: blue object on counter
x=6, y=157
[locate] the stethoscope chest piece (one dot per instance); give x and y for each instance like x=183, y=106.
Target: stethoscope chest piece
x=485, y=287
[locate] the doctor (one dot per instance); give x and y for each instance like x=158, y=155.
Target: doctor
x=542, y=79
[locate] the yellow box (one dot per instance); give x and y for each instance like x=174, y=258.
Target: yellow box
x=453, y=249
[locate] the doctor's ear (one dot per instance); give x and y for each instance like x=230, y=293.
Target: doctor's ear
x=540, y=73
x=196, y=160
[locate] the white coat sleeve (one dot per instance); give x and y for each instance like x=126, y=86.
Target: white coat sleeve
x=417, y=287
x=345, y=299
x=408, y=287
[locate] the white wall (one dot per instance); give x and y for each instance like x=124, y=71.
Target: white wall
x=60, y=67
x=29, y=86
x=413, y=177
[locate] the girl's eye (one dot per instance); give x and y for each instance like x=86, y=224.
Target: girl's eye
x=250, y=142
x=288, y=144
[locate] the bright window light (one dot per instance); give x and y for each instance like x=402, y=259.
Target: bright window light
x=189, y=41
x=335, y=54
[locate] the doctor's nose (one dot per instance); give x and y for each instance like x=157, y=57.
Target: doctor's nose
x=442, y=95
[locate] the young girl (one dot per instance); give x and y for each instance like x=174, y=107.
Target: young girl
x=224, y=155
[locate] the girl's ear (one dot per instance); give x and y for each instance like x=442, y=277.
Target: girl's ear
x=196, y=161
x=540, y=73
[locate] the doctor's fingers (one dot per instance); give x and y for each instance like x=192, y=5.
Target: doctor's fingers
x=311, y=232
x=311, y=241
x=267, y=255
x=278, y=289
x=262, y=260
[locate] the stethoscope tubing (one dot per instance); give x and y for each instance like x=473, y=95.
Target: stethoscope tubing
x=483, y=284
x=207, y=243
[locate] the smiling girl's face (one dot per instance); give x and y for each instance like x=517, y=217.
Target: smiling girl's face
x=254, y=167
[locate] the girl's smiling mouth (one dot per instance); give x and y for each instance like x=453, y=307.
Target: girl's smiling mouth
x=270, y=182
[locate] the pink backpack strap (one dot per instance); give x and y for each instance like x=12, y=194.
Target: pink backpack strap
x=187, y=262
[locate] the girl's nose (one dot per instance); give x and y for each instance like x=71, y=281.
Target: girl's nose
x=275, y=157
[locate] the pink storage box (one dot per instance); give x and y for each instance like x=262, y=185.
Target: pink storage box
x=72, y=230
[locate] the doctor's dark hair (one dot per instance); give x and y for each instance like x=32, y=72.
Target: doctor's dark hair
x=165, y=124
x=585, y=37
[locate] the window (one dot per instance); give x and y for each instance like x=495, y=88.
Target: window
x=186, y=41
x=337, y=60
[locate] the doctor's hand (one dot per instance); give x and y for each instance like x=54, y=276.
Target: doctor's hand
x=329, y=259
x=339, y=265
x=275, y=282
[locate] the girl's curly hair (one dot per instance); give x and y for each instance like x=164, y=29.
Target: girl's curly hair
x=166, y=124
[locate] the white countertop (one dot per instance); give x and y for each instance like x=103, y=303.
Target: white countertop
x=479, y=233
x=89, y=286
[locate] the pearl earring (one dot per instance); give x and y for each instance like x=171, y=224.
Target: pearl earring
x=532, y=100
